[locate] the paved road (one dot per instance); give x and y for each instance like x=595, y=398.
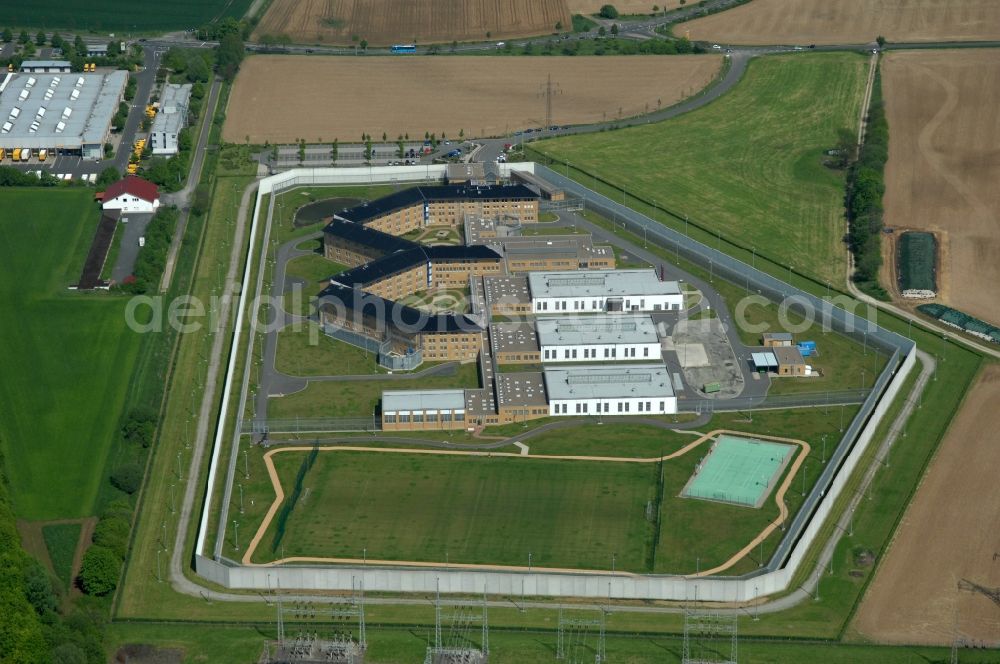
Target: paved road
x=182, y=198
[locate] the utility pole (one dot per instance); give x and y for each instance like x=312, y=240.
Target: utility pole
x=549, y=90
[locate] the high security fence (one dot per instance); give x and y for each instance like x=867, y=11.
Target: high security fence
x=774, y=577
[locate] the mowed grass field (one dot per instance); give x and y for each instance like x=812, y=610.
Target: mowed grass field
x=469, y=509
x=103, y=15
x=384, y=22
x=276, y=98
x=749, y=165
x=943, y=166
x=848, y=22
x=66, y=358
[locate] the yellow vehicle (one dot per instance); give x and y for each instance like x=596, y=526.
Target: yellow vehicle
x=16, y=155
x=3, y=154
x=42, y=154
x=132, y=168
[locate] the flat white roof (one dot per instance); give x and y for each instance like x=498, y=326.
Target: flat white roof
x=394, y=401
x=173, y=109
x=29, y=64
x=608, y=283
x=67, y=110
x=765, y=359
x=598, y=329
x=608, y=382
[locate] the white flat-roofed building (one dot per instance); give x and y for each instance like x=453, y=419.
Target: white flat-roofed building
x=171, y=119
x=60, y=112
x=598, y=338
x=597, y=291
x=46, y=66
x=409, y=410
x=643, y=389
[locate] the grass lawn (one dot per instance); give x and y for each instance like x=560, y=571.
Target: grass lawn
x=315, y=270
x=287, y=203
x=470, y=510
x=67, y=360
x=360, y=398
x=309, y=352
x=60, y=541
x=104, y=15
x=749, y=164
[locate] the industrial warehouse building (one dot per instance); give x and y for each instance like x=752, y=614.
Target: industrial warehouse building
x=171, y=118
x=46, y=66
x=412, y=410
x=416, y=207
x=603, y=291
x=610, y=390
x=62, y=113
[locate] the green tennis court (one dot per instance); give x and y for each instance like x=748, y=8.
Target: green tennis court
x=738, y=470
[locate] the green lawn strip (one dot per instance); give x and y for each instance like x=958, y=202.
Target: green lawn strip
x=288, y=202
x=102, y=15
x=756, y=176
x=360, y=398
x=309, y=352
x=67, y=360
x=113, y=251
x=60, y=541
x=470, y=510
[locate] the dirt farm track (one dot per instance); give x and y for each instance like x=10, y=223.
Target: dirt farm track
x=283, y=98
x=383, y=22
x=848, y=21
x=948, y=533
x=944, y=167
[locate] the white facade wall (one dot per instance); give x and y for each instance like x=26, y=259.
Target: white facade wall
x=163, y=142
x=613, y=406
x=129, y=203
x=598, y=303
x=600, y=352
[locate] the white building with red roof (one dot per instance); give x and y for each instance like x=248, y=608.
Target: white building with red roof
x=132, y=194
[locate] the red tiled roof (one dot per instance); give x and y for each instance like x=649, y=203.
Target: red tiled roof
x=133, y=186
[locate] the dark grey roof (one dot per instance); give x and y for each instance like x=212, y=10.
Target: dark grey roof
x=403, y=318
x=401, y=261
x=449, y=252
x=401, y=199
x=368, y=237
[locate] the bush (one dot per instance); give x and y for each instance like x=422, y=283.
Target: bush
x=140, y=426
x=108, y=176
x=99, y=571
x=127, y=478
x=608, y=11
x=112, y=533
x=153, y=257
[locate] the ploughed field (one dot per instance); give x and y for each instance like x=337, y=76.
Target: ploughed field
x=384, y=22
x=943, y=167
x=284, y=98
x=848, y=22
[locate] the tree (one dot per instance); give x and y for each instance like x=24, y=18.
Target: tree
x=334, y=149
x=99, y=571
x=40, y=38
x=24, y=37
x=108, y=176
x=608, y=11
x=112, y=533
x=38, y=588
x=127, y=478
x=461, y=133
x=614, y=29
x=559, y=26
x=454, y=45
x=29, y=49
x=880, y=40
x=229, y=56
x=114, y=48
x=57, y=40
x=7, y=35
x=197, y=70
x=383, y=137
x=602, y=31
x=68, y=653
x=364, y=44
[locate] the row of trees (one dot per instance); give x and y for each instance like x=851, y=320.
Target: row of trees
x=865, y=188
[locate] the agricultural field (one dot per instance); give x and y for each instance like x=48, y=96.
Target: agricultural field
x=67, y=360
x=917, y=255
x=276, y=99
x=758, y=177
x=104, y=15
x=942, y=170
x=385, y=22
x=623, y=6
x=848, y=22
x=946, y=535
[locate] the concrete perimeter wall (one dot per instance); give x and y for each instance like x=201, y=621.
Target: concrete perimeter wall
x=775, y=577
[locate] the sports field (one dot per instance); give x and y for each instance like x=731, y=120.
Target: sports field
x=384, y=22
x=276, y=98
x=756, y=176
x=738, y=470
x=66, y=357
x=103, y=15
x=848, y=22
x=942, y=170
